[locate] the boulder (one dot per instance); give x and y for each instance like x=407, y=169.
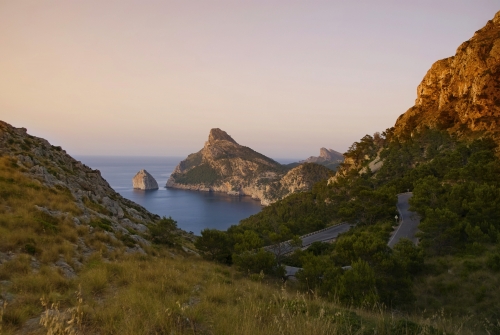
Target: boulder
x=144, y=181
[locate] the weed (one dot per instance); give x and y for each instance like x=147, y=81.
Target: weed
x=68, y=322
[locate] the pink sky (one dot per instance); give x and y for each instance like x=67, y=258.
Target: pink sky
x=285, y=78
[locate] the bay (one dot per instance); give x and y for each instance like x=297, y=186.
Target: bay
x=193, y=211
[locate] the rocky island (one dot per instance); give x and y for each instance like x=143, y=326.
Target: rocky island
x=143, y=180
x=223, y=165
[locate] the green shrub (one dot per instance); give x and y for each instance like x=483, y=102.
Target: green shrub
x=163, y=232
x=201, y=174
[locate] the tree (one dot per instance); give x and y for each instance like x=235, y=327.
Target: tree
x=248, y=240
x=357, y=285
x=255, y=262
x=215, y=244
x=408, y=256
x=282, y=242
x=163, y=232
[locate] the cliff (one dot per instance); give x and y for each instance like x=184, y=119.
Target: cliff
x=223, y=165
x=461, y=93
x=143, y=180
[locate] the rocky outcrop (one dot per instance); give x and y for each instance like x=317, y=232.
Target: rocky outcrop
x=143, y=180
x=461, y=93
x=325, y=155
x=223, y=165
x=51, y=167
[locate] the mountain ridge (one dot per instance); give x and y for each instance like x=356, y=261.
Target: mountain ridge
x=223, y=165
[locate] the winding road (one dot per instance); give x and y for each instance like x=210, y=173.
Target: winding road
x=323, y=235
x=407, y=228
x=409, y=221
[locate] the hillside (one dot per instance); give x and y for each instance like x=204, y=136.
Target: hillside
x=77, y=258
x=225, y=166
x=453, y=171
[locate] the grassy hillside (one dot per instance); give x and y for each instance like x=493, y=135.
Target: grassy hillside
x=164, y=290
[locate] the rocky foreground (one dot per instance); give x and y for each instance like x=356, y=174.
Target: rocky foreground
x=50, y=166
x=223, y=165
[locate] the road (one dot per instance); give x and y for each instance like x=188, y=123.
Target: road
x=409, y=221
x=407, y=228
x=322, y=235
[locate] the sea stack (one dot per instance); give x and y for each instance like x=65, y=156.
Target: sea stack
x=144, y=181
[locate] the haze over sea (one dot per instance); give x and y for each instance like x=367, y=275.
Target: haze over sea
x=192, y=210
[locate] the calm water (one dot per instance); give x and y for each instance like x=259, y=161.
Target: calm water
x=192, y=210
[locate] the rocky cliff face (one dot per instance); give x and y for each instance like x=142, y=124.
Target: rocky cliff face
x=143, y=180
x=461, y=93
x=225, y=166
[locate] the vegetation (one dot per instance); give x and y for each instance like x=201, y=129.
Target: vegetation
x=446, y=284
x=162, y=291
x=456, y=192
x=201, y=174
x=164, y=231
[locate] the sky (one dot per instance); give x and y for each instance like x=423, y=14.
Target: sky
x=285, y=78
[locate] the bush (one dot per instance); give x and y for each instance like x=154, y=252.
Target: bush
x=255, y=262
x=215, y=245
x=163, y=232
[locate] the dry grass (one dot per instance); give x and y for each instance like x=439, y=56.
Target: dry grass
x=158, y=295
x=164, y=292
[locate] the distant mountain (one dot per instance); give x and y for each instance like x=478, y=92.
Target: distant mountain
x=223, y=165
x=325, y=155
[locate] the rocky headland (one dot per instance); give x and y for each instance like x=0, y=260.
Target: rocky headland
x=143, y=180
x=223, y=165
x=461, y=93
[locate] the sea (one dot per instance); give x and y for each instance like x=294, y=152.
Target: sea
x=193, y=210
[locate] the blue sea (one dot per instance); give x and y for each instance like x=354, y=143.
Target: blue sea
x=193, y=211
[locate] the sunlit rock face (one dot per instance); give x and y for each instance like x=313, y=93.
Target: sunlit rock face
x=143, y=180
x=461, y=93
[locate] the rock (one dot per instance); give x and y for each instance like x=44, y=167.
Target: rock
x=66, y=269
x=460, y=93
x=325, y=155
x=225, y=166
x=140, y=240
x=144, y=181
x=189, y=251
x=136, y=226
x=217, y=134
x=113, y=207
x=134, y=250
